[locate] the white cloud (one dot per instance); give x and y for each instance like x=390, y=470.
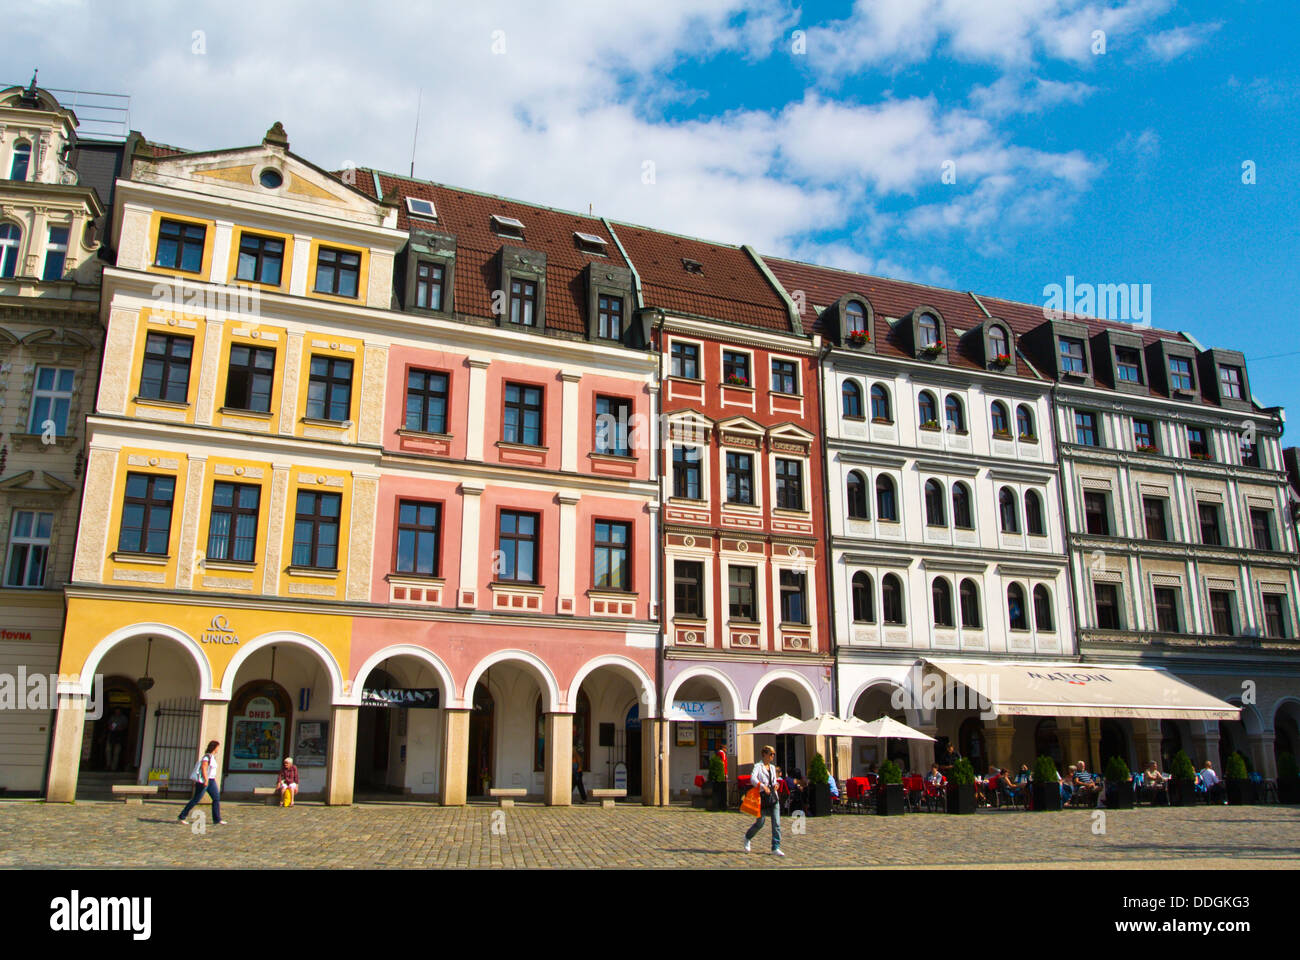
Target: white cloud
x=1010, y=95
x=1172, y=44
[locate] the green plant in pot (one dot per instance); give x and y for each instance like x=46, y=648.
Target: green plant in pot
x=961, y=787
x=1045, y=785
x=1119, y=784
x=819, y=789
x=1288, y=778
x=891, y=800
x=1240, y=790
x=1182, y=788
x=717, y=783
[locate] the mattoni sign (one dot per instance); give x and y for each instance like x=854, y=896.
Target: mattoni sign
x=402, y=697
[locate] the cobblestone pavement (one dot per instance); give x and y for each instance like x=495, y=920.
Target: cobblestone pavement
x=104, y=834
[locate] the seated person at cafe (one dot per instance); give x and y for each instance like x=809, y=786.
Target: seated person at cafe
x=1210, y=781
x=1086, y=785
x=934, y=777
x=1068, y=785
x=287, y=779
x=1014, y=786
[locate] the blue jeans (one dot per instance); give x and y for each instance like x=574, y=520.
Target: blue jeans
x=199, y=789
x=774, y=812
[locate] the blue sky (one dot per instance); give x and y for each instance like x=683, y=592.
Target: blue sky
x=1120, y=167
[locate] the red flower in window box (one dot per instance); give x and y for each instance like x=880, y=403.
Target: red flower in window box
x=858, y=338
x=1001, y=360
x=934, y=349
x=736, y=381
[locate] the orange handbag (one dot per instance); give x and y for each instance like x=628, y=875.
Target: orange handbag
x=753, y=803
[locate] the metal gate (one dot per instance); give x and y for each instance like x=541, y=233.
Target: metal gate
x=175, y=738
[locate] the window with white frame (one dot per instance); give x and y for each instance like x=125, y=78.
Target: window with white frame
x=52, y=399
x=29, y=548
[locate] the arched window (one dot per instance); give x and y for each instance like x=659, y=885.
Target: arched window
x=961, y=512
x=998, y=343
x=11, y=236
x=1016, y=607
x=857, y=317
x=954, y=413
x=886, y=502
x=927, y=412
x=1024, y=421
x=941, y=595
x=1042, y=608
x=929, y=330
x=852, y=395
x=1033, y=514
x=856, y=487
x=1001, y=422
x=864, y=601
x=970, y=604
x=1007, y=511
x=880, y=402
x=934, y=504
x=22, y=160
x=891, y=599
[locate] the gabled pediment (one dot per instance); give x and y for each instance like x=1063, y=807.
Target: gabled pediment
x=741, y=425
x=790, y=431
x=690, y=425
x=35, y=481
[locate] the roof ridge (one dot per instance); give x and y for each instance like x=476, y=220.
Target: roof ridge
x=483, y=193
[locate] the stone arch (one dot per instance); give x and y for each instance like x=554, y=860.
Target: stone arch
x=809, y=702
x=428, y=657
x=631, y=670
x=533, y=664
x=101, y=649
x=727, y=689
x=310, y=644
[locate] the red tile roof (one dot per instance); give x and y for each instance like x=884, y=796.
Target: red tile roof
x=729, y=287
x=467, y=215
x=822, y=286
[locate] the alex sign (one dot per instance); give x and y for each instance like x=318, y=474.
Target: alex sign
x=706, y=711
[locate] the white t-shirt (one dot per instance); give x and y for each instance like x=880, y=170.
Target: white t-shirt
x=197, y=775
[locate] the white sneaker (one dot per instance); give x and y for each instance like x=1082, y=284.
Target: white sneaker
x=747, y=846
x=778, y=852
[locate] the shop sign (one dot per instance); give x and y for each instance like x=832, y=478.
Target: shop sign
x=705, y=711
x=620, y=776
x=219, y=631
x=407, y=698
x=258, y=737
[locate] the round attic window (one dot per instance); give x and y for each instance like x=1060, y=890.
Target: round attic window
x=271, y=179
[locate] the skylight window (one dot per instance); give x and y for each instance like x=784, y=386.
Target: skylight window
x=590, y=242
x=418, y=207
x=507, y=226
x=692, y=266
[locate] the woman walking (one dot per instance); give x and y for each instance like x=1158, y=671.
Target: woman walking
x=764, y=778
x=205, y=781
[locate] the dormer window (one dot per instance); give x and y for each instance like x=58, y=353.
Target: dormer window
x=419, y=207
x=692, y=266
x=428, y=285
x=998, y=343
x=590, y=243
x=1180, y=373
x=610, y=318
x=1073, y=358
x=1128, y=365
x=929, y=331
x=22, y=160
x=523, y=303
x=507, y=227
x=1230, y=383
x=856, y=318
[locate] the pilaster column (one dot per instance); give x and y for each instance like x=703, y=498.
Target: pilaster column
x=220, y=267
x=1206, y=746
x=559, y=759
x=212, y=723
x=361, y=534
x=205, y=402
x=470, y=525
x=276, y=529
x=1261, y=750
x=1146, y=742
x=301, y=265
x=1000, y=735
x=65, y=753
x=455, y=758
x=191, y=511
x=744, y=747
x=568, y=548
x=654, y=762
x=656, y=560
x=343, y=755
x=572, y=422
x=289, y=391
x=477, y=425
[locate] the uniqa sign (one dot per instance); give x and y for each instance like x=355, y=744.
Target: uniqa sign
x=219, y=631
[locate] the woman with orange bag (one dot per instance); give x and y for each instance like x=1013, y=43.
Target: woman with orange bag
x=764, y=779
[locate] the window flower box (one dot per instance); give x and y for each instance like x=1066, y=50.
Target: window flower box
x=933, y=350
x=1028, y=438
x=1001, y=361
x=1146, y=448
x=1200, y=456
x=881, y=420
x=930, y=425
x=858, y=338
x=1002, y=434
x=735, y=381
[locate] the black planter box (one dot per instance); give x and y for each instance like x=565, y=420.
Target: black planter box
x=1046, y=796
x=717, y=795
x=1288, y=789
x=819, y=800
x=1242, y=793
x=891, y=801
x=1119, y=796
x=1182, y=793
x=961, y=798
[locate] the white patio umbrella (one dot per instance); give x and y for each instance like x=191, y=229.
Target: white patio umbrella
x=887, y=728
x=776, y=726
x=829, y=725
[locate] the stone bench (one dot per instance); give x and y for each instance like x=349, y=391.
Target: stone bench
x=506, y=796
x=134, y=792
x=608, y=796
x=268, y=792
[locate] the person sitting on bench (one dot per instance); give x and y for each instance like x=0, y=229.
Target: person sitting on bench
x=287, y=783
